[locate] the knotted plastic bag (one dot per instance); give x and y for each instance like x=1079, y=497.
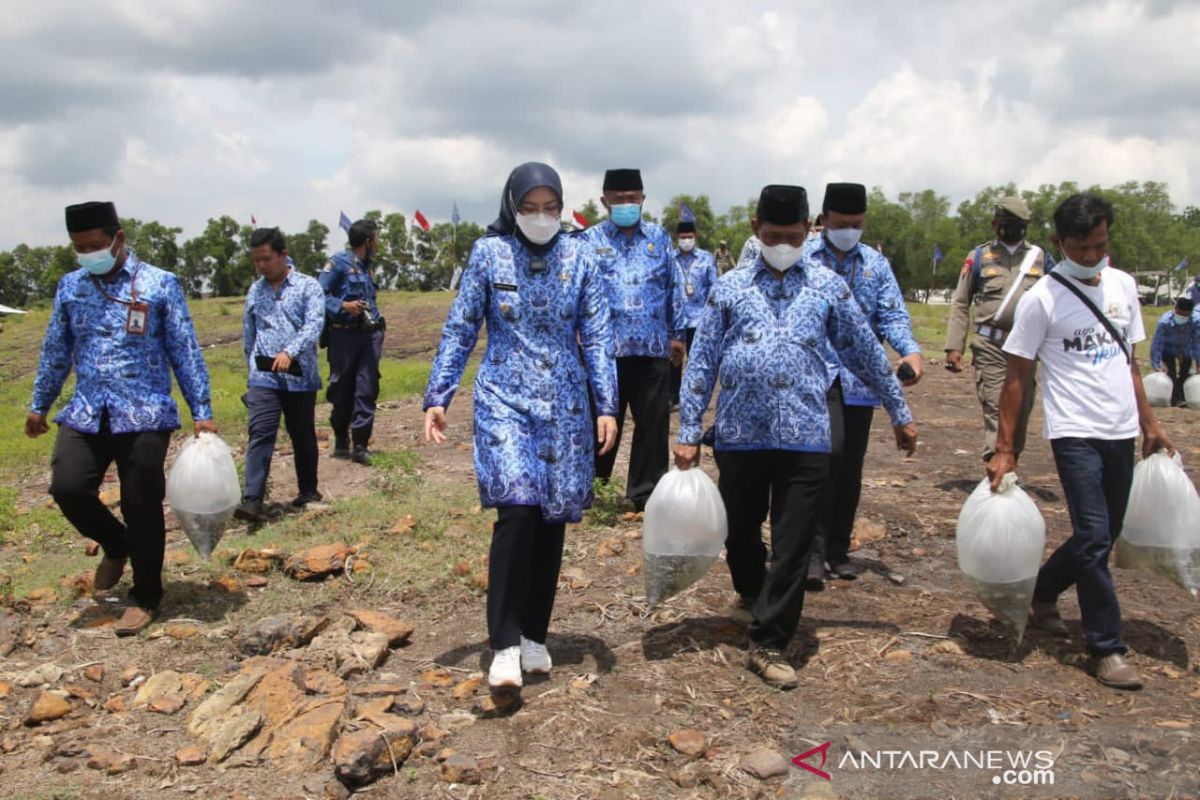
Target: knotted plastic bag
x=203, y=490
x=1191, y=392
x=1158, y=389
x=683, y=533
x=1162, y=523
x=1000, y=538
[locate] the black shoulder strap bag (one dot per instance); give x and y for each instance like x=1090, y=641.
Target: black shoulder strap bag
x=1105, y=321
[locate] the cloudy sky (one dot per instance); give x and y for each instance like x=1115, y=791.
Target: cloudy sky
x=295, y=110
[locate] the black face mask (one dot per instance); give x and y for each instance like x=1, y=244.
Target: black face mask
x=1011, y=232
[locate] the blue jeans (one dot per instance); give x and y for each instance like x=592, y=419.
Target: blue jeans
x=1096, y=476
x=298, y=409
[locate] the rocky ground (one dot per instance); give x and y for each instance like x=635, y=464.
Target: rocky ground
x=345, y=650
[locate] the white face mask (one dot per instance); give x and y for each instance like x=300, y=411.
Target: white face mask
x=538, y=228
x=781, y=257
x=1078, y=271
x=843, y=239
x=686, y=245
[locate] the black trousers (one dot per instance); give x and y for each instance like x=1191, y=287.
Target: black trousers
x=1178, y=368
x=677, y=371
x=790, y=486
x=77, y=468
x=299, y=412
x=851, y=429
x=354, y=382
x=523, y=567
x=643, y=386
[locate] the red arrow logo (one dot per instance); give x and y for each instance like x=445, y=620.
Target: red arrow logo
x=823, y=749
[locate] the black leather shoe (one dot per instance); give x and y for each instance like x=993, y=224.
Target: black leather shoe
x=306, y=498
x=251, y=510
x=361, y=455
x=341, y=446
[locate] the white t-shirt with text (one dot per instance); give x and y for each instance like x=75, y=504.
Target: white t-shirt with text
x=1087, y=384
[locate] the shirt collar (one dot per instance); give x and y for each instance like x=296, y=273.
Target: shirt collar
x=613, y=231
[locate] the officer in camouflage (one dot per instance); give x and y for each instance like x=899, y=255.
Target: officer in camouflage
x=994, y=277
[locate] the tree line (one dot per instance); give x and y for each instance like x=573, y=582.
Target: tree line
x=1149, y=235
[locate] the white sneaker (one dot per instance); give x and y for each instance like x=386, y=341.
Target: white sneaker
x=506, y=668
x=535, y=658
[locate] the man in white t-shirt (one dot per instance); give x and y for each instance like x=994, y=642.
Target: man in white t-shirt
x=1094, y=406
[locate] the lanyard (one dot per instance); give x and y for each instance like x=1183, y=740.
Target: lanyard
x=133, y=294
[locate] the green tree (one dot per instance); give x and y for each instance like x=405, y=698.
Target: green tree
x=153, y=242
x=307, y=249
x=219, y=259
x=593, y=212
x=706, y=222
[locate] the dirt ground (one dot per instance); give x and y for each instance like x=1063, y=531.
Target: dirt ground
x=908, y=663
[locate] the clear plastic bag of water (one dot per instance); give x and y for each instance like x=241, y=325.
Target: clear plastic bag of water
x=1000, y=539
x=1158, y=388
x=684, y=531
x=203, y=490
x=1191, y=392
x=1162, y=523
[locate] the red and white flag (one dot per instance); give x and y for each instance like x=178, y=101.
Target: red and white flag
x=253, y=221
x=580, y=219
x=419, y=218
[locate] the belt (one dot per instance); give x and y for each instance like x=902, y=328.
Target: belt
x=994, y=334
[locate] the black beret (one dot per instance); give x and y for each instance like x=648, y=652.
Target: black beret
x=845, y=198
x=782, y=205
x=686, y=227
x=89, y=216
x=623, y=180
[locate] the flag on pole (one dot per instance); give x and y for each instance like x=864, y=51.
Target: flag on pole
x=1182, y=264
x=343, y=221
x=580, y=219
x=685, y=214
x=454, y=217
x=419, y=218
x=937, y=254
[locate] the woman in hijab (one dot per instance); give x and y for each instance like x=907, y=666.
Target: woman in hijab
x=548, y=340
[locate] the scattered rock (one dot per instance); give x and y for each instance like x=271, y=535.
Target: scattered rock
x=8, y=744
x=688, y=742
x=455, y=721
x=460, y=569
x=279, y=693
x=129, y=675
x=380, y=689
x=764, y=763
x=78, y=585
x=220, y=702
x=258, y=562
x=444, y=754
x=116, y=704
x=398, y=631
x=167, y=704
x=40, y=676
x=898, y=655
x=459, y=768
x=257, y=582
x=180, y=631
x=610, y=547
x=575, y=578
x=867, y=532
x=322, y=681
x=47, y=707
x=410, y=705
x=279, y=632
x=110, y=762
x=436, y=679
x=318, y=563
x=5, y=690
x=405, y=524
x=583, y=682
x=90, y=549
x=949, y=647
x=497, y=704
x=231, y=732
x=191, y=756
x=362, y=756
x=432, y=733
x=226, y=584
x=94, y=673
x=304, y=741
x=467, y=687
x=158, y=686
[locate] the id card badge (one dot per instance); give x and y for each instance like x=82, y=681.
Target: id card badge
x=135, y=321
x=691, y=290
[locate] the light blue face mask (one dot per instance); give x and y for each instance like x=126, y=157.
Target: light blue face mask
x=1079, y=271
x=98, y=263
x=626, y=215
x=1180, y=319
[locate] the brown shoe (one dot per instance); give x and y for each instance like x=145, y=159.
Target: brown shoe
x=772, y=666
x=108, y=573
x=134, y=620
x=1044, y=616
x=1113, y=670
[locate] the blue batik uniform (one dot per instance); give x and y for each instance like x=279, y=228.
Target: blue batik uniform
x=764, y=340
x=644, y=293
x=355, y=349
x=288, y=320
x=869, y=275
x=548, y=341
x=124, y=376
x=750, y=252
x=697, y=276
x=1173, y=339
